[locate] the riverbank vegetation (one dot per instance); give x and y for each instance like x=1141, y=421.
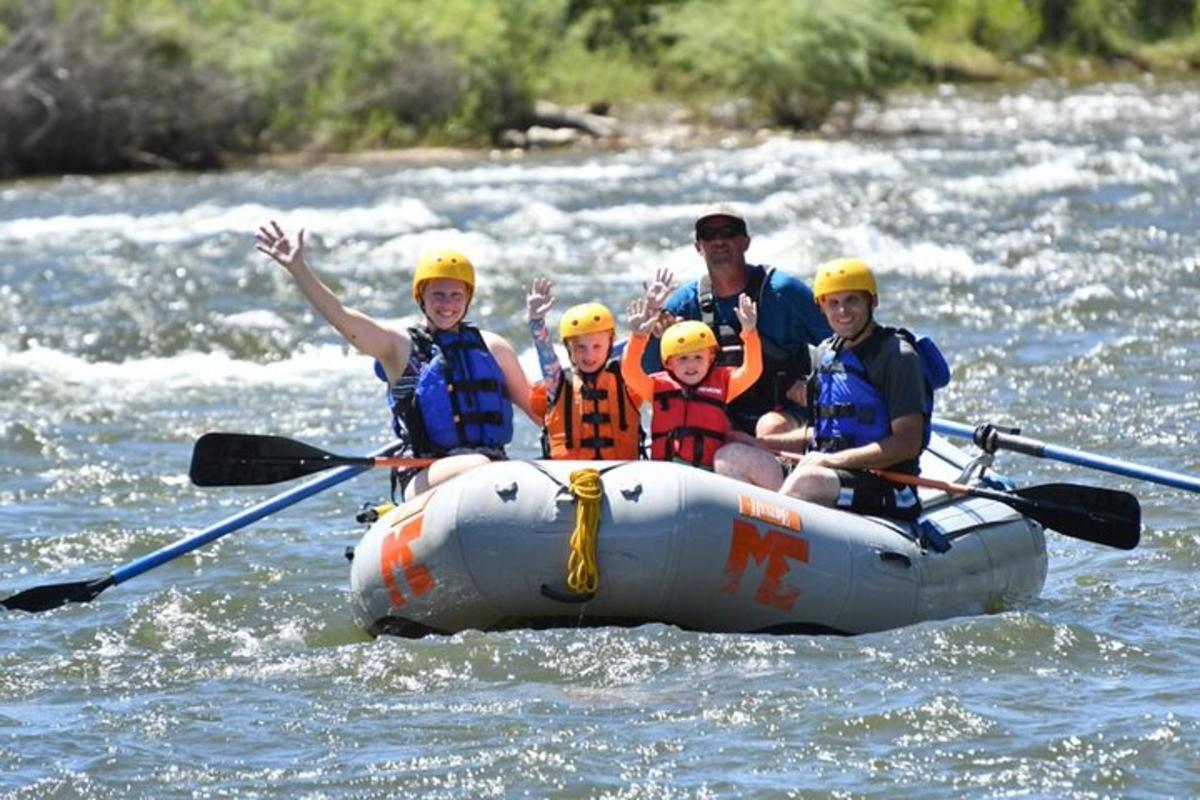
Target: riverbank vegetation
x=97, y=85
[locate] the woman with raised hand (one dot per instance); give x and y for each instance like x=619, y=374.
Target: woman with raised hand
x=451, y=385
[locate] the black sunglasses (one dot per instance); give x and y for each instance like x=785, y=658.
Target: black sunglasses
x=728, y=231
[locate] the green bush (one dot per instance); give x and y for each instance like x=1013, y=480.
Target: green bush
x=81, y=95
x=1161, y=19
x=90, y=85
x=795, y=58
x=1006, y=27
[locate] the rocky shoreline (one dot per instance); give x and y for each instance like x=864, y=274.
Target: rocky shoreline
x=552, y=128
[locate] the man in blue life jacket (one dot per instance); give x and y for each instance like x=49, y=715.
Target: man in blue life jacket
x=788, y=319
x=868, y=404
x=451, y=386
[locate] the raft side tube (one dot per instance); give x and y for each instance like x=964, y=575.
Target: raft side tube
x=680, y=546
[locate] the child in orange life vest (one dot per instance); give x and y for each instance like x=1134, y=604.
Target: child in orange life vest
x=587, y=410
x=688, y=420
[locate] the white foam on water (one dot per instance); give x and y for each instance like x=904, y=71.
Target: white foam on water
x=537, y=217
x=1038, y=110
x=260, y=319
x=400, y=253
x=620, y=217
x=791, y=157
x=1090, y=294
x=525, y=172
x=208, y=220
x=311, y=367
x=888, y=255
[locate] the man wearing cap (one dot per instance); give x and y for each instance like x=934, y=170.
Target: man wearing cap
x=788, y=318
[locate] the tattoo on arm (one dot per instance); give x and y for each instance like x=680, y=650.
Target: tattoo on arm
x=547, y=358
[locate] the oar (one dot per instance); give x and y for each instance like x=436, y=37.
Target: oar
x=243, y=459
x=1103, y=516
x=989, y=438
x=53, y=595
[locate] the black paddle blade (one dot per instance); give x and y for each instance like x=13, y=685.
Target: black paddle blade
x=1104, y=516
x=243, y=459
x=53, y=595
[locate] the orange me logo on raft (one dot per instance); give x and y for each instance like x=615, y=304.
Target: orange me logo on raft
x=772, y=547
x=396, y=556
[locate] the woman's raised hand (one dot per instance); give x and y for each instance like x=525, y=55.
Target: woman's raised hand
x=276, y=244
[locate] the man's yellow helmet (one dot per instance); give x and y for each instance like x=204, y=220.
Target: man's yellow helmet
x=688, y=336
x=449, y=264
x=844, y=275
x=586, y=318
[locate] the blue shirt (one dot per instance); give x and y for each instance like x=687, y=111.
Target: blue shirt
x=788, y=316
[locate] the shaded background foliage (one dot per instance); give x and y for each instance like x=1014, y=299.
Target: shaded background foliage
x=94, y=85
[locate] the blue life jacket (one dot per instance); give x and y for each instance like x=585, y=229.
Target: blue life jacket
x=847, y=410
x=452, y=394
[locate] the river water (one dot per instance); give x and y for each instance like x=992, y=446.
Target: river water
x=1048, y=240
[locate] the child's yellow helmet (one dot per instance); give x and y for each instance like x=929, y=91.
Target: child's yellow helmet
x=586, y=318
x=688, y=336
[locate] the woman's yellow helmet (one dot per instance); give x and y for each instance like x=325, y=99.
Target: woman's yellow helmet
x=688, y=336
x=844, y=275
x=449, y=264
x=586, y=318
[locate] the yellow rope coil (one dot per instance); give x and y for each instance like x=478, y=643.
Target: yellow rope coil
x=582, y=575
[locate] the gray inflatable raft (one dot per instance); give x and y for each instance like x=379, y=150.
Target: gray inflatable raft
x=489, y=550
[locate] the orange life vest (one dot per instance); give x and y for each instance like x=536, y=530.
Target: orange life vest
x=689, y=423
x=590, y=419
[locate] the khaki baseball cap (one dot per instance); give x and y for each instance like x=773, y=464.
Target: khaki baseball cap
x=720, y=210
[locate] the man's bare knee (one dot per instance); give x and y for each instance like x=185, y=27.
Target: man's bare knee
x=774, y=422
x=746, y=463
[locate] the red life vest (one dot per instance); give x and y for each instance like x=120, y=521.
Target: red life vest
x=590, y=419
x=689, y=423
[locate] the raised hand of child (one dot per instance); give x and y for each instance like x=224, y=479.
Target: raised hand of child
x=658, y=290
x=641, y=316
x=665, y=320
x=539, y=299
x=747, y=313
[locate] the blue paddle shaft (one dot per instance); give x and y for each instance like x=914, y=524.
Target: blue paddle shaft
x=1040, y=449
x=247, y=517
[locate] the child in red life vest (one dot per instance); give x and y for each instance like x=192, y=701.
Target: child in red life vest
x=587, y=410
x=688, y=420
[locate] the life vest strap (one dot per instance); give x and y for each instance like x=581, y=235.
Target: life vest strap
x=832, y=444
x=474, y=385
x=592, y=393
x=680, y=433
x=462, y=344
x=835, y=411
x=687, y=396
x=478, y=418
